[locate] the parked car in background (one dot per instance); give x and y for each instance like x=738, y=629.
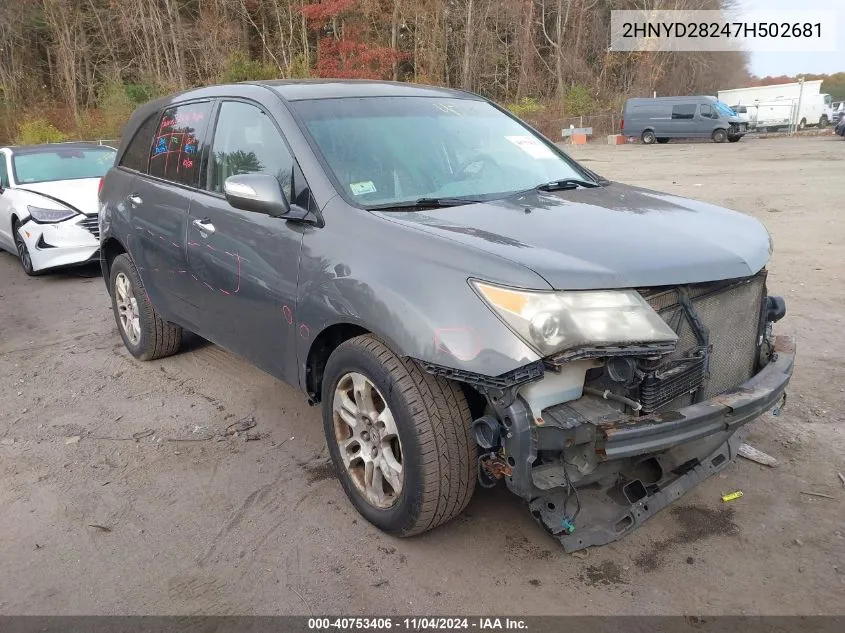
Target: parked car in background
x=664, y=118
x=481, y=308
x=48, y=203
x=838, y=108
x=742, y=112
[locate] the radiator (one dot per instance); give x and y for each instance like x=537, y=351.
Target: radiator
x=728, y=313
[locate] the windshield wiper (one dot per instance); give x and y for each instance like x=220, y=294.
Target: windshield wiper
x=425, y=203
x=565, y=183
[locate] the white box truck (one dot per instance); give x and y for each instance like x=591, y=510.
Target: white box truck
x=780, y=105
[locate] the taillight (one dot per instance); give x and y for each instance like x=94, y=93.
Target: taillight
x=621, y=127
x=100, y=188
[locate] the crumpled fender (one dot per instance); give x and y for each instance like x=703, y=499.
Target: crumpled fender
x=409, y=288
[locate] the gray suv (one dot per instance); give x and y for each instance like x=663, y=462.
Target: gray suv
x=466, y=302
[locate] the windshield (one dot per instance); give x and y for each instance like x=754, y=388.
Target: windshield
x=393, y=150
x=724, y=109
x=61, y=163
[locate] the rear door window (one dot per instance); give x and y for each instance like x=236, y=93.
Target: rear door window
x=684, y=111
x=246, y=141
x=4, y=172
x=178, y=143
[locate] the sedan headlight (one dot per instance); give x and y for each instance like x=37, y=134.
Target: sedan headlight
x=50, y=215
x=552, y=321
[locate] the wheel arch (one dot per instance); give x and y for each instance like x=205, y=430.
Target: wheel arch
x=109, y=249
x=648, y=130
x=321, y=347
x=332, y=336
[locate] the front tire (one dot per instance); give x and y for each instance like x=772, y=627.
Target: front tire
x=23, y=251
x=399, y=438
x=824, y=121
x=648, y=137
x=720, y=136
x=146, y=335
x=802, y=124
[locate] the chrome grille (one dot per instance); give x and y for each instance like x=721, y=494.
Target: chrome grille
x=92, y=225
x=730, y=313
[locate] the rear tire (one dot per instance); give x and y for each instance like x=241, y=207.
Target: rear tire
x=720, y=135
x=648, y=137
x=146, y=335
x=23, y=251
x=399, y=438
x=802, y=124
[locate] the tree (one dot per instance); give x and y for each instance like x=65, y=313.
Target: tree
x=345, y=47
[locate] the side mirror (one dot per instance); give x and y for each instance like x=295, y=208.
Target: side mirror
x=260, y=193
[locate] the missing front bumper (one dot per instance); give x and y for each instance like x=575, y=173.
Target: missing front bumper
x=685, y=446
x=604, y=519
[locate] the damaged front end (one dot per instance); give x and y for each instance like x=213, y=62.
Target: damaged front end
x=598, y=440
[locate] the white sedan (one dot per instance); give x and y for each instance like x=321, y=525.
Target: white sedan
x=49, y=205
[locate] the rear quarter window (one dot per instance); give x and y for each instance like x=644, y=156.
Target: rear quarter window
x=137, y=154
x=178, y=143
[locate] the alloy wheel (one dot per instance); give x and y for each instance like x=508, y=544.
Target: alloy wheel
x=368, y=440
x=23, y=251
x=127, y=308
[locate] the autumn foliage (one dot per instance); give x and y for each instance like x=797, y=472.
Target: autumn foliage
x=344, y=47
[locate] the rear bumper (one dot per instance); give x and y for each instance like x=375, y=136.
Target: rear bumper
x=642, y=464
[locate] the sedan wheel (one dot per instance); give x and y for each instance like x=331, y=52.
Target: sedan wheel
x=127, y=308
x=368, y=440
x=23, y=251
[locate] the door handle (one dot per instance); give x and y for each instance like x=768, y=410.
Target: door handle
x=205, y=227
x=134, y=199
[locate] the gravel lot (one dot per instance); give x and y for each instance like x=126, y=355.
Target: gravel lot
x=176, y=521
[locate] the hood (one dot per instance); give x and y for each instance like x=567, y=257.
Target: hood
x=605, y=237
x=81, y=193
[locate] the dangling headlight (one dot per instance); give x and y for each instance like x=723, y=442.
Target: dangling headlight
x=555, y=321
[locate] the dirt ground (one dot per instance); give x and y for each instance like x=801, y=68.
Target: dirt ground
x=176, y=521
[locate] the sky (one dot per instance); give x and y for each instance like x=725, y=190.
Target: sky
x=793, y=63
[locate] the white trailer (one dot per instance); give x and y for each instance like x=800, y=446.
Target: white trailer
x=807, y=106
x=747, y=96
